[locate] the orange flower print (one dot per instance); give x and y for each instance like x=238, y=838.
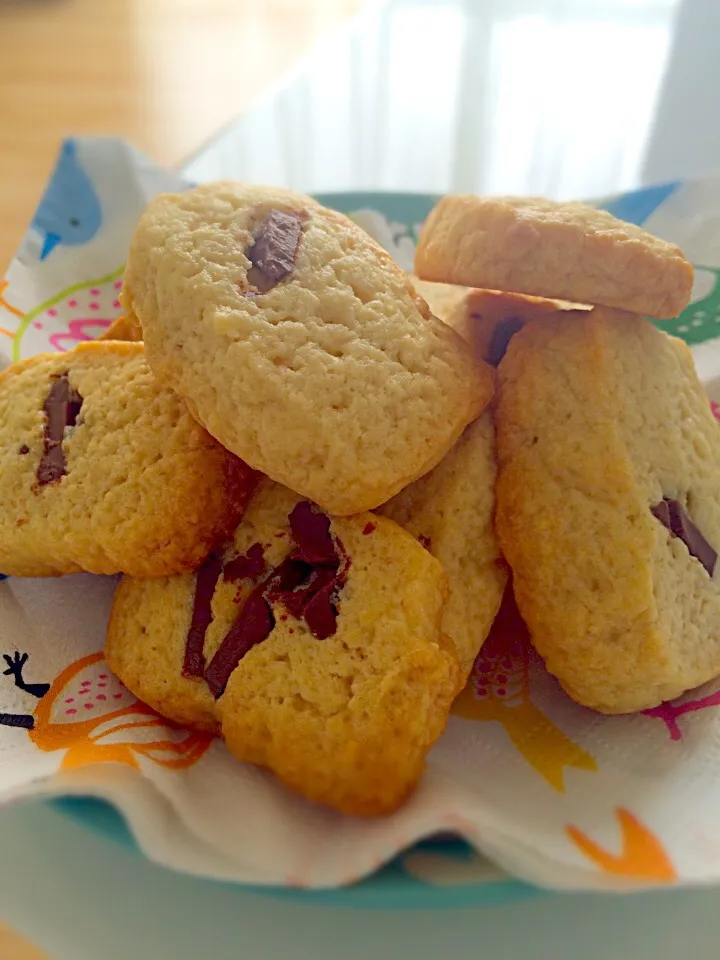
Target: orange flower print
x=641, y=857
x=90, y=715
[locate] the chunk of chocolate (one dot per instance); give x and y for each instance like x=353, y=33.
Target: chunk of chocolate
x=307, y=589
x=296, y=591
x=275, y=249
x=62, y=408
x=501, y=337
x=311, y=530
x=248, y=566
x=253, y=624
x=288, y=577
x=672, y=515
x=320, y=611
x=205, y=582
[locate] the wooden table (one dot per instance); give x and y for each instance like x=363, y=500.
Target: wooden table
x=14, y=947
x=166, y=74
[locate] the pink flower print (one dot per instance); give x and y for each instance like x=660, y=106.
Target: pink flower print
x=715, y=407
x=52, y=313
x=117, y=284
x=78, y=331
x=669, y=711
x=94, y=292
x=72, y=303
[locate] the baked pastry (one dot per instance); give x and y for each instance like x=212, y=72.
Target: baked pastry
x=312, y=643
x=551, y=249
x=124, y=327
x=450, y=510
x=298, y=342
x=103, y=470
x=487, y=319
x=608, y=507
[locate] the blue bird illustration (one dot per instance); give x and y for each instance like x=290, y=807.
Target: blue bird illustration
x=69, y=212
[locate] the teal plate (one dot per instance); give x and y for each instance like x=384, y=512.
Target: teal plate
x=391, y=888
x=394, y=218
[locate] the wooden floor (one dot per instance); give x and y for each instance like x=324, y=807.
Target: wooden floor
x=164, y=74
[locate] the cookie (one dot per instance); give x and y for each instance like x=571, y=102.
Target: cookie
x=103, y=470
x=562, y=250
x=450, y=511
x=298, y=343
x=608, y=507
x=443, y=299
x=487, y=319
x=312, y=643
x=124, y=327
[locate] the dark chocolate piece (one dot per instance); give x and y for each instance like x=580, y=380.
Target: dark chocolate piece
x=297, y=584
x=253, y=624
x=205, y=583
x=320, y=611
x=62, y=408
x=249, y=566
x=289, y=583
x=275, y=248
x=425, y=542
x=311, y=530
x=501, y=337
x=317, y=546
x=369, y=528
x=24, y=449
x=672, y=515
x=306, y=583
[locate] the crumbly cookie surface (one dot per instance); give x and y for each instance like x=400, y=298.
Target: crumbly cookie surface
x=298, y=343
x=609, y=470
x=345, y=715
x=103, y=470
x=450, y=510
x=550, y=249
x=443, y=299
x=124, y=327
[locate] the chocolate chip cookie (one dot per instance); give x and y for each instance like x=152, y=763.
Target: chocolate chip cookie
x=608, y=507
x=298, y=343
x=313, y=644
x=450, y=511
x=550, y=249
x=103, y=470
x=487, y=319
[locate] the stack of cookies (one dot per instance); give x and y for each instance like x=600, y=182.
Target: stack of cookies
x=314, y=488
x=608, y=487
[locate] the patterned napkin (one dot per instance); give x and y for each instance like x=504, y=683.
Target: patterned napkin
x=552, y=792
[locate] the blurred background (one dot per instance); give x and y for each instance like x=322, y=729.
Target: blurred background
x=565, y=98
x=166, y=74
